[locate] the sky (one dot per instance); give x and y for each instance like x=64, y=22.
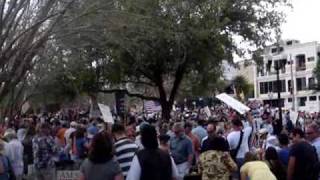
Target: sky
x=303, y=21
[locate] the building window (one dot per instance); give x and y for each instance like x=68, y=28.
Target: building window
x=273, y=50
x=272, y=86
x=312, y=98
x=302, y=101
x=310, y=59
x=311, y=82
x=289, y=99
x=301, y=84
x=290, y=86
x=300, y=62
x=265, y=87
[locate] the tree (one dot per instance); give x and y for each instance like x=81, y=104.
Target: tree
x=149, y=48
x=316, y=73
x=242, y=86
x=25, y=27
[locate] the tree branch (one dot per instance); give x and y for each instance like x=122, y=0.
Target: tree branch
x=129, y=94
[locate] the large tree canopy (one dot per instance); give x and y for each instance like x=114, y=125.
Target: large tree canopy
x=148, y=48
x=25, y=27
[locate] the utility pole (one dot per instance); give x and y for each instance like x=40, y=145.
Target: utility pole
x=277, y=67
x=292, y=84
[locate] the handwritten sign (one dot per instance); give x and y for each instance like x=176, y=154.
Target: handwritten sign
x=68, y=175
x=106, y=113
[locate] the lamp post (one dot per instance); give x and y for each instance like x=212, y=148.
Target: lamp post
x=277, y=67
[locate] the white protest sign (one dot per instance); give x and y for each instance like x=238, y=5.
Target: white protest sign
x=233, y=103
x=106, y=113
x=25, y=107
x=294, y=116
x=207, y=111
x=68, y=175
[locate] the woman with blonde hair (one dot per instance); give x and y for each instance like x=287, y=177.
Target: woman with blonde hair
x=254, y=169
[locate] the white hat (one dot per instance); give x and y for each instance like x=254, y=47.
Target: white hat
x=263, y=131
x=73, y=124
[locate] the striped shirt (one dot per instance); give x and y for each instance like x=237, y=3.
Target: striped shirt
x=125, y=150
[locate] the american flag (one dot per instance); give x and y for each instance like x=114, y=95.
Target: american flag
x=152, y=107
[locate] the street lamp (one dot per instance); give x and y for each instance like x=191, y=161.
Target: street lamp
x=279, y=65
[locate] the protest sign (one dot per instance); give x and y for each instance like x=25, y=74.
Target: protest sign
x=106, y=113
x=233, y=103
x=68, y=175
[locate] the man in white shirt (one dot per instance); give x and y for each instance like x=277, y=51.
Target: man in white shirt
x=234, y=138
x=14, y=152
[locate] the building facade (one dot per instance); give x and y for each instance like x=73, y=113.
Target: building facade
x=297, y=62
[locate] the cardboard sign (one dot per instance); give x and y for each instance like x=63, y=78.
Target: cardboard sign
x=233, y=103
x=68, y=175
x=25, y=107
x=207, y=111
x=106, y=113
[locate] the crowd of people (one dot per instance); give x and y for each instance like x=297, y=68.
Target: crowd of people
x=192, y=145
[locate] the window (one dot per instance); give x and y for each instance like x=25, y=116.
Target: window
x=273, y=50
x=281, y=64
x=281, y=49
x=310, y=59
x=302, y=101
x=312, y=98
x=290, y=89
x=289, y=99
x=301, y=84
x=272, y=86
x=311, y=82
x=264, y=87
x=300, y=62
x=289, y=43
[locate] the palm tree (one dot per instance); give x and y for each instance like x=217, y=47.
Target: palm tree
x=242, y=87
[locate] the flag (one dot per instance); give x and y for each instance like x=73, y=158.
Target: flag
x=152, y=107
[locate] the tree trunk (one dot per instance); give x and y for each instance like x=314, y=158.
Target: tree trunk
x=166, y=110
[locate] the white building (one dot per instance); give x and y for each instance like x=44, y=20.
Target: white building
x=299, y=61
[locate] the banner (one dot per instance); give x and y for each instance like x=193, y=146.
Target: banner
x=233, y=103
x=68, y=175
x=106, y=113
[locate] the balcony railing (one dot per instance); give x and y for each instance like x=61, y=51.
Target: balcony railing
x=301, y=68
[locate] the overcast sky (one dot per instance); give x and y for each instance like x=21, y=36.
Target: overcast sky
x=303, y=21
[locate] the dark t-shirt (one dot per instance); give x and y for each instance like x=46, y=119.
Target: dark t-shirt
x=306, y=158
